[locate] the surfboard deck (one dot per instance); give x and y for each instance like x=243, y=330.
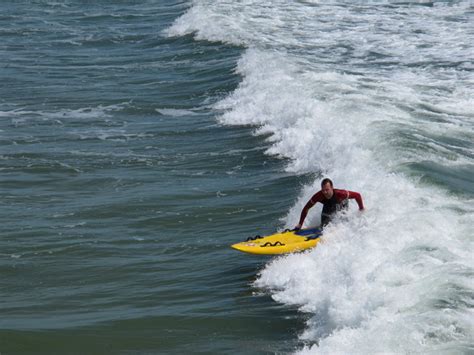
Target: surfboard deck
x=281, y=242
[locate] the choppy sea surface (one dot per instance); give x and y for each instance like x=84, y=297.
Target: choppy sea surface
x=139, y=139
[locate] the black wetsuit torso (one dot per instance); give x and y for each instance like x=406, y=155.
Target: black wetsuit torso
x=330, y=207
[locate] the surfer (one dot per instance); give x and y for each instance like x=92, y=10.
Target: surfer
x=333, y=200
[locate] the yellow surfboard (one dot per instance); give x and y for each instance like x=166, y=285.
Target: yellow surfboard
x=281, y=243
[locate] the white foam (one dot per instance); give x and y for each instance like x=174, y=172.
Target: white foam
x=21, y=116
x=396, y=278
x=175, y=112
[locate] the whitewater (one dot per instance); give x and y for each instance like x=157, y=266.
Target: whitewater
x=379, y=96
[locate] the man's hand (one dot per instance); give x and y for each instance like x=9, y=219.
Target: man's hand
x=298, y=227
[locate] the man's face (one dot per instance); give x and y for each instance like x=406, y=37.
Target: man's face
x=327, y=190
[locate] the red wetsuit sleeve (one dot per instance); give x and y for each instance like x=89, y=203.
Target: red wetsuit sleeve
x=344, y=194
x=317, y=197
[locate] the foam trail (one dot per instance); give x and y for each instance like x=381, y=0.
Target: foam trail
x=396, y=278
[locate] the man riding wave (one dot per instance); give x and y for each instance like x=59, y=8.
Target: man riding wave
x=333, y=200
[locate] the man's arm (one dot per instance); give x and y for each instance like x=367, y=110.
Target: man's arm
x=316, y=198
x=356, y=196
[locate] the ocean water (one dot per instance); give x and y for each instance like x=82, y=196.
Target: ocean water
x=138, y=140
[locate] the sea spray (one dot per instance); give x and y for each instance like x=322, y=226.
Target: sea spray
x=364, y=94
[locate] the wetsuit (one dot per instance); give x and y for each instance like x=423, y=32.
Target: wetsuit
x=338, y=201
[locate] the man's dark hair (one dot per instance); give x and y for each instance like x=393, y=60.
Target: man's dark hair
x=325, y=181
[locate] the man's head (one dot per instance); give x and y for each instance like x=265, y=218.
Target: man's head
x=327, y=188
